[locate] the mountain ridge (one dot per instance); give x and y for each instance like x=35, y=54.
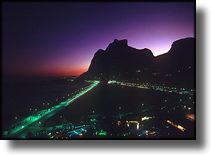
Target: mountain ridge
x=120, y=61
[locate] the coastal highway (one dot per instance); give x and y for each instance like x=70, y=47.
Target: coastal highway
x=44, y=114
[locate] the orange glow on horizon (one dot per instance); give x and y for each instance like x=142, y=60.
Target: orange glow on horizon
x=71, y=72
x=60, y=72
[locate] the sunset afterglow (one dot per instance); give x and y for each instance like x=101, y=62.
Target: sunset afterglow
x=63, y=42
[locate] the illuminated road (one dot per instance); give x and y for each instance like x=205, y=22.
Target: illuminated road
x=154, y=87
x=47, y=113
x=35, y=124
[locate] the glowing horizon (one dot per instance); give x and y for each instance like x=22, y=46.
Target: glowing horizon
x=65, y=43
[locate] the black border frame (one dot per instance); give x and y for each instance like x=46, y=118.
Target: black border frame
x=106, y=1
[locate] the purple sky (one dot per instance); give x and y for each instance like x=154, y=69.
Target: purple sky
x=61, y=38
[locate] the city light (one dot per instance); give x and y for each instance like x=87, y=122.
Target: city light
x=146, y=118
x=154, y=87
x=20, y=126
x=101, y=133
x=131, y=123
x=190, y=117
x=176, y=126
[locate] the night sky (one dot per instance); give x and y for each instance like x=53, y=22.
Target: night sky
x=61, y=38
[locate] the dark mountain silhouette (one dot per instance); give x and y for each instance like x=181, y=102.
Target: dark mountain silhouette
x=181, y=54
x=177, y=66
x=122, y=62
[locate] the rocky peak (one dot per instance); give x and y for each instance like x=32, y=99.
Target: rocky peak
x=117, y=44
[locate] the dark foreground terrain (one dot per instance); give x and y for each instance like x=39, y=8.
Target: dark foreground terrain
x=114, y=110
